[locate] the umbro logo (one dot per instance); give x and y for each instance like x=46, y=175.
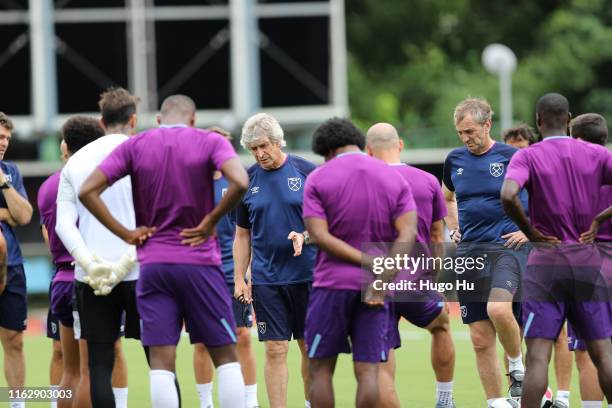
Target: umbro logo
x=255, y=190
x=460, y=171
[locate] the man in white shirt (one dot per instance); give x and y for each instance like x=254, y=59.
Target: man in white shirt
x=101, y=316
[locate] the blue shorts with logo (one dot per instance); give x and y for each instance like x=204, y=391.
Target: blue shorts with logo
x=13, y=301
x=280, y=310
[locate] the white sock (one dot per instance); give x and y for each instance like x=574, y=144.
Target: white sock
x=120, y=397
x=250, y=394
x=163, y=390
x=516, y=363
x=563, y=396
x=444, y=392
x=307, y=404
x=205, y=392
x=592, y=404
x=54, y=389
x=230, y=386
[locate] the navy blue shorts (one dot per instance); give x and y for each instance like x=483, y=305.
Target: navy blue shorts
x=13, y=301
x=281, y=310
x=503, y=271
x=243, y=314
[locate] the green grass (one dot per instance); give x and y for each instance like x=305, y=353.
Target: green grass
x=414, y=381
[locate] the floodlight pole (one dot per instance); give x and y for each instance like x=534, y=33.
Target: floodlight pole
x=244, y=48
x=43, y=70
x=501, y=61
x=505, y=98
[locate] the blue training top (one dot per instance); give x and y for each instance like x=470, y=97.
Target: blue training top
x=14, y=177
x=477, y=182
x=271, y=209
x=226, y=229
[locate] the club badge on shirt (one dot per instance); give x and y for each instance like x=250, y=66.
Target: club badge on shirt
x=496, y=169
x=294, y=183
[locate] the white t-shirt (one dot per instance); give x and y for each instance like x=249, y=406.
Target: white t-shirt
x=118, y=198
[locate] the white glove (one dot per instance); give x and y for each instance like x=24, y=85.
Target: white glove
x=120, y=269
x=96, y=268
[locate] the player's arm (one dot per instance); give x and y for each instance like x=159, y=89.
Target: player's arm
x=6, y=216
x=3, y=258
x=589, y=236
x=514, y=209
x=452, y=216
x=436, y=237
x=319, y=231
x=45, y=234
x=90, y=196
x=19, y=207
x=238, y=183
x=242, y=258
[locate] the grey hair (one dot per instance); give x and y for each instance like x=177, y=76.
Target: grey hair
x=478, y=108
x=259, y=126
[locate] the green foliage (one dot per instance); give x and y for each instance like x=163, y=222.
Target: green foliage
x=412, y=62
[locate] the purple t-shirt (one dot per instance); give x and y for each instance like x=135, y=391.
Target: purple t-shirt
x=564, y=177
x=359, y=197
x=47, y=206
x=427, y=197
x=172, y=187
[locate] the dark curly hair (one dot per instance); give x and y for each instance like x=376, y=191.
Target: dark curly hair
x=79, y=131
x=117, y=105
x=335, y=133
x=521, y=130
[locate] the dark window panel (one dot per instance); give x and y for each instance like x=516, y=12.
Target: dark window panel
x=190, y=2
x=15, y=69
x=301, y=42
x=101, y=50
x=89, y=3
x=178, y=43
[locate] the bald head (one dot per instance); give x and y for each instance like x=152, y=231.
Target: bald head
x=177, y=109
x=382, y=136
x=383, y=142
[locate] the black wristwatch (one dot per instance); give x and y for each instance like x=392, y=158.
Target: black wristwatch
x=5, y=185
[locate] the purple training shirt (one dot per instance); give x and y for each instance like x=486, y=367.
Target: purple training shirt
x=47, y=206
x=359, y=197
x=428, y=198
x=564, y=177
x=172, y=186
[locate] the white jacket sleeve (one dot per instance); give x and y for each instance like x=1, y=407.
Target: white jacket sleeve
x=66, y=221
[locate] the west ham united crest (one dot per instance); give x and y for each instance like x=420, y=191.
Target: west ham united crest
x=261, y=326
x=295, y=183
x=496, y=169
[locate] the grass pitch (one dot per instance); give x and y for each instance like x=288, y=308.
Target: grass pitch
x=415, y=380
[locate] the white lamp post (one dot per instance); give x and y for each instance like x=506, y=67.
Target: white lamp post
x=500, y=60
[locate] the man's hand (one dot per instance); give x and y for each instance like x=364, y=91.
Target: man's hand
x=455, y=236
x=139, y=235
x=374, y=298
x=537, y=236
x=298, y=242
x=515, y=239
x=118, y=272
x=201, y=233
x=242, y=292
x=589, y=236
